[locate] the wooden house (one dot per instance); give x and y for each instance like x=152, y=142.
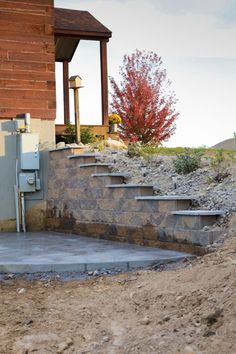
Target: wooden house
x=33, y=36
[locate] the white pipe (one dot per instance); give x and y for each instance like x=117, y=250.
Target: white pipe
x=27, y=122
x=22, y=197
x=17, y=196
x=17, y=208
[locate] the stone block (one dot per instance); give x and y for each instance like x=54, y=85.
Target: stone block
x=202, y=238
x=164, y=234
x=81, y=159
x=58, y=154
x=106, y=216
x=109, y=204
x=52, y=223
x=131, y=205
x=166, y=206
x=102, y=181
x=94, y=168
x=149, y=232
x=99, y=193
x=78, y=182
x=129, y=191
x=132, y=218
x=150, y=206
x=194, y=222
x=87, y=204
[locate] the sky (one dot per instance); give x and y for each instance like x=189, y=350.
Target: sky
x=196, y=40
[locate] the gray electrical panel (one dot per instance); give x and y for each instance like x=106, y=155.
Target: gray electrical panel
x=29, y=151
x=27, y=182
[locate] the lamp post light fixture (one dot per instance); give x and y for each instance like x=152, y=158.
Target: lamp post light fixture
x=75, y=83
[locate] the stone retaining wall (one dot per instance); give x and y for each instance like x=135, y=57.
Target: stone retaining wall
x=82, y=201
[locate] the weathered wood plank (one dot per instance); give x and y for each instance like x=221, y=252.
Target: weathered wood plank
x=29, y=2
x=27, y=84
x=25, y=95
x=21, y=66
x=24, y=6
x=35, y=113
x=31, y=57
x=22, y=104
x=24, y=46
x=14, y=17
x=21, y=75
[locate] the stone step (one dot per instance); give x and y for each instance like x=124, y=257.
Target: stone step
x=65, y=151
x=94, y=168
x=128, y=191
x=195, y=219
x=103, y=179
x=79, y=159
x=164, y=203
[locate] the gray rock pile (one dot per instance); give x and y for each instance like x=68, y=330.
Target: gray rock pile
x=159, y=171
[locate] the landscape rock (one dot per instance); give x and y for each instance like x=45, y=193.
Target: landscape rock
x=159, y=171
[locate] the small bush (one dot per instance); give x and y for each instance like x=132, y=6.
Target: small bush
x=220, y=163
x=87, y=136
x=187, y=162
x=134, y=149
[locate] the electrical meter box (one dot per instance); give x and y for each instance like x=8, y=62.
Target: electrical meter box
x=27, y=182
x=29, y=151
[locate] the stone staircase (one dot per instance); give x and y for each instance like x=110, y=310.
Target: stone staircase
x=86, y=198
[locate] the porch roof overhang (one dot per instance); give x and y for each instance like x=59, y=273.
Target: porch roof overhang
x=73, y=25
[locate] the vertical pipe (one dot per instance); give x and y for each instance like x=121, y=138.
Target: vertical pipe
x=27, y=122
x=17, y=208
x=16, y=193
x=23, y=211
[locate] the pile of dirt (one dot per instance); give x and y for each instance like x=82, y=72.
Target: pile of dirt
x=189, y=308
x=228, y=144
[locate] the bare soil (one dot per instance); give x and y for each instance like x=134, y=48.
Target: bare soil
x=186, y=310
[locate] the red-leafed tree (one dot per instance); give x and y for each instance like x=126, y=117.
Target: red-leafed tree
x=143, y=99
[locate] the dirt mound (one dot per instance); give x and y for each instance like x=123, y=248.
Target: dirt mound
x=228, y=144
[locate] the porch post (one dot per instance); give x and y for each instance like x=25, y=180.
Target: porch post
x=66, y=92
x=104, y=81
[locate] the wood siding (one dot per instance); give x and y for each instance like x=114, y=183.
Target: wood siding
x=27, y=59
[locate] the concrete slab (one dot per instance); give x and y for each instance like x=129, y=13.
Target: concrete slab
x=50, y=251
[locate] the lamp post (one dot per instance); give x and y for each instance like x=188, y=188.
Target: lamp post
x=75, y=83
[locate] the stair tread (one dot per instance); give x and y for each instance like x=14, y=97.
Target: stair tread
x=82, y=155
x=110, y=174
x=165, y=197
x=129, y=185
x=94, y=164
x=197, y=212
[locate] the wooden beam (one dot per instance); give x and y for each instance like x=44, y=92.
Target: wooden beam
x=104, y=81
x=66, y=92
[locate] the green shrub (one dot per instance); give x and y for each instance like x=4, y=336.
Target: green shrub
x=68, y=135
x=220, y=163
x=187, y=161
x=134, y=149
x=87, y=136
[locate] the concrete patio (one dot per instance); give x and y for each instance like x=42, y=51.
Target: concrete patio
x=56, y=252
